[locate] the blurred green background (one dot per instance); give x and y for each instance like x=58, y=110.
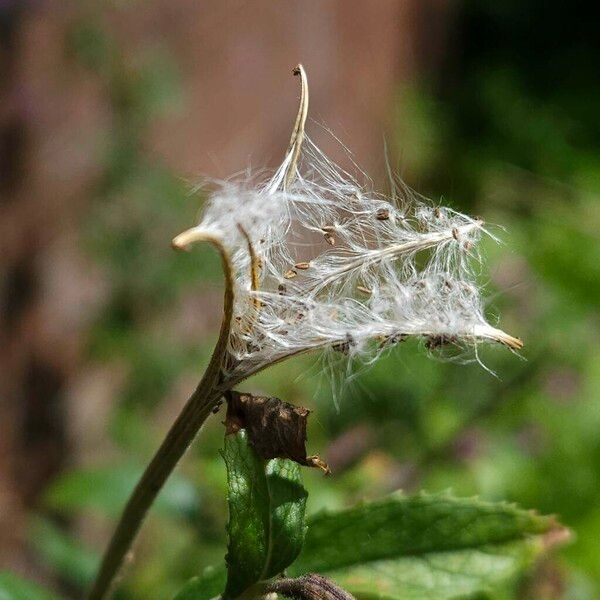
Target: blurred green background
x=490, y=107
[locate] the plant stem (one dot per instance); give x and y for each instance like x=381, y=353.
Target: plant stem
x=183, y=431
x=181, y=434
x=298, y=131
x=204, y=399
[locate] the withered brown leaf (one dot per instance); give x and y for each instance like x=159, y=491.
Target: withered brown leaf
x=276, y=429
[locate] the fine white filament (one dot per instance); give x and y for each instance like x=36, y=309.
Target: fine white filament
x=320, y=260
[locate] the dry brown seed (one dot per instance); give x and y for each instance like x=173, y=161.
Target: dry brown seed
x=344, y=346
x=365, y=290
x=328, y=228
x=437, y=212
x=329, y=239
x=398, y=337
x=281, y=288
x=290, y=274
x=455, y=233
x=302, y=266
x=433, y=342
x=389, y=340
x=383, y=214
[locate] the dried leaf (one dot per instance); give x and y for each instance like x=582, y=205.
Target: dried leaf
x=275, y=428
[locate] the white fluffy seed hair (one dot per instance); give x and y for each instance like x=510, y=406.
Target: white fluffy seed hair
x=320, y=260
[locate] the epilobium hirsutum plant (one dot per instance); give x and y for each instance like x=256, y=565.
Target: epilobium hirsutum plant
x=314, y=259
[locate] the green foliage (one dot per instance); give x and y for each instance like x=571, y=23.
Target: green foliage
x=266, y=515
x=398, y=548
x=104, y=490
x=15, y=588
x=400, y=525
x=422, y=547
x=204, y=587
x=64, y=555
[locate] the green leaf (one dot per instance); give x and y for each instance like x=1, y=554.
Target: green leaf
x=483, y=572
x=63, y=554
x=425, y=547
x=106, y=489
x=13, y=587
x=205, y=587
x=266, y=515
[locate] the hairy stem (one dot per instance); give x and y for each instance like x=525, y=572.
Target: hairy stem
x=182, y=432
